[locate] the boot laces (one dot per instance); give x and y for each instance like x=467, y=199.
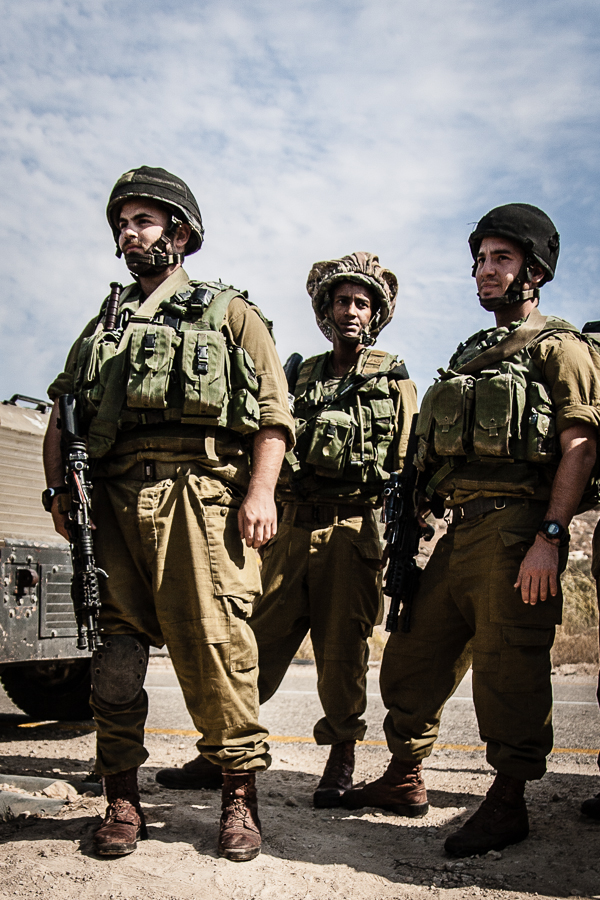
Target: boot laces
x=237, y=815
x=121, y=811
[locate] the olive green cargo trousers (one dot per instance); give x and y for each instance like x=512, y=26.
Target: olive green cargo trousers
x=180, y=575
x=326, y=579
x=467, y=611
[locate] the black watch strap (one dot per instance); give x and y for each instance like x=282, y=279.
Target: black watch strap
x=554, y=531
x=50, y=493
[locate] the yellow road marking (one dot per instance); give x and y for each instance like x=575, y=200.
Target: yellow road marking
x=286, y=738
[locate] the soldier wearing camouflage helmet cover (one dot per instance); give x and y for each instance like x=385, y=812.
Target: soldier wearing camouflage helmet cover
x=177, y=391
x=507, y=440
x=321, y=572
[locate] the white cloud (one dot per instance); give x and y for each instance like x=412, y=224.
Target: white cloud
x=306, y=131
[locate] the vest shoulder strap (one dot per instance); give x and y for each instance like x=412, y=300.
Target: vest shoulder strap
x=376, y=361
x=215, y=312
x=305, y=373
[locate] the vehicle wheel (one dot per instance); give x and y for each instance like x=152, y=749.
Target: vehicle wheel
x=57, y=689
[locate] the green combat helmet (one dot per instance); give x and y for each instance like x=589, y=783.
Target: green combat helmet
x=162, y=187
x=362, y=268
x=534, y=231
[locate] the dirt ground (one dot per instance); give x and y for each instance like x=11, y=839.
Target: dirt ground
x=307, y=853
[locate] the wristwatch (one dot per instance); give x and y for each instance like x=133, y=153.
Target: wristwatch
x=50, y=493
x=554, y=531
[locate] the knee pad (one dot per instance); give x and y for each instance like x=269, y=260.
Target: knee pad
x=119, y=668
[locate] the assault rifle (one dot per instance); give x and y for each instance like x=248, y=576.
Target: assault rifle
x=402, y=535
x=85, y=590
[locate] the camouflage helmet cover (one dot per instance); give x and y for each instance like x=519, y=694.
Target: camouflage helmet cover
x=362, y=268
x=161, y=186
x=525, y=224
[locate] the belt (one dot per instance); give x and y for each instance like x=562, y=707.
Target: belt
x=154, y=470
x=321, y=514
x=481, y=506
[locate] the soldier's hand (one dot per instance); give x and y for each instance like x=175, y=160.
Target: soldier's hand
x=257, y=517
x=538, y=575
x=60, y=519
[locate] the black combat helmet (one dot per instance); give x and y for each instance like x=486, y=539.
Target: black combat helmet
x=159, y=185
x=526, y=225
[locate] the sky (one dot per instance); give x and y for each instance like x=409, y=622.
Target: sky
x=306, y=130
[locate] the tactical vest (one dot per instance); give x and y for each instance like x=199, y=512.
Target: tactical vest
x=178, y=366
x=347, y=434
x=500, y=411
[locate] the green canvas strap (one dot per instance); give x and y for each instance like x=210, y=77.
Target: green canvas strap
x=510, y=345
x=216, y=311
x=305, y=374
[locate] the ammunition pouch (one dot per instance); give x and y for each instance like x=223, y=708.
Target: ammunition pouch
x=180, y=366
x=347, y=435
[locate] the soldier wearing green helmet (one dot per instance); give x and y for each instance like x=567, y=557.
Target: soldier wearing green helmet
x=183, y=400
x=507, y=443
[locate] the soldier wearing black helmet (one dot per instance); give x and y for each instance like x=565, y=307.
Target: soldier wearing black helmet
x=176, y=390
x=507, y=442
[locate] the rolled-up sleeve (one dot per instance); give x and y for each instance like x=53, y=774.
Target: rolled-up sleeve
x=571, y=369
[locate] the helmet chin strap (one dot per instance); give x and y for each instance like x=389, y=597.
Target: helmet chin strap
x=364, y=337
x=158, y=257
x=515, y=293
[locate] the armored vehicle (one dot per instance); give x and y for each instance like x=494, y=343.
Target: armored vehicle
x=40, y=668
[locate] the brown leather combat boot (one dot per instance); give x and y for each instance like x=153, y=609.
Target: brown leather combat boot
x=195, y=775
x=400, y=790
x=123, y=824
x=337, y=776
x=239, y=835
x=500, y=820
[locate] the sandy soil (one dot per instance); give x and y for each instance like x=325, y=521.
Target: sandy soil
x=306, y=853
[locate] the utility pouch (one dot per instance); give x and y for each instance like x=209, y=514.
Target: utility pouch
x=332, y=437
x=541, y=425
x=93, y=364
x=493, y=410
x=151, y=353
x=243, y=371
x=244, y=412
x=383, y=414
x=451, y=400
x=203, y=373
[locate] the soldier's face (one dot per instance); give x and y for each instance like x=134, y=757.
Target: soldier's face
x=499, y=262
x=141, y=223
x=351, y=308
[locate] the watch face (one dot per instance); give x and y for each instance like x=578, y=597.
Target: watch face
x=553, y=529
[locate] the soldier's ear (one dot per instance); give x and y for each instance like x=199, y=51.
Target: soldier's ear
x=182, y=236
x=537, y=274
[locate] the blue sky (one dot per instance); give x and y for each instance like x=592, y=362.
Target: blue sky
x=307, y=130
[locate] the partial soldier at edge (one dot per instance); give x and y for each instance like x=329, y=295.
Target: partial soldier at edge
x=507, y=439
x=184, y=404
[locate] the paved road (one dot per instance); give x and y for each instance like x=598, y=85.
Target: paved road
x=295, y=708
